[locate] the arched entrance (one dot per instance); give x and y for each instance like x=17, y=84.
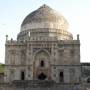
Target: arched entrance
x=61, y=76
x=42, y=76
x=41, y=65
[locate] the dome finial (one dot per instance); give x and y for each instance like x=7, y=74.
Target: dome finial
x=44, y=6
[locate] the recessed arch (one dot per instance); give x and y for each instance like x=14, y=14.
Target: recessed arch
x=41, y=50
x=41, y=56
x=41, y=64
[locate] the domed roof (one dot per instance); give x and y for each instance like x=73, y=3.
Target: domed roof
x=45, y=22
x=44, y=13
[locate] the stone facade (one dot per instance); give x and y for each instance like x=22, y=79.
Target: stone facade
x=44, y=52
x=57, y=56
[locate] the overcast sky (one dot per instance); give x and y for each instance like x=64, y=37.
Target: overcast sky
x=77, y=13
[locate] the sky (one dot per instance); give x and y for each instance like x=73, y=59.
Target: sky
x=77, y=13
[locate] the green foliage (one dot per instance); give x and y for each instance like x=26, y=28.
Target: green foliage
x=2, y=66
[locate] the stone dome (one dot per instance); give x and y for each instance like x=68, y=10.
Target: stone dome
x=45, y=14
x=46, y=21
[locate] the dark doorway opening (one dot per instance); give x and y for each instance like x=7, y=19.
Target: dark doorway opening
x=22, y=75
x=42, y=76
x=61, y=77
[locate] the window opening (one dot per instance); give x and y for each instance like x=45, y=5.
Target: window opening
x=42, y=64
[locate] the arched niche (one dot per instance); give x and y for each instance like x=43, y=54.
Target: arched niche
x=41, y=65
x=41, y=58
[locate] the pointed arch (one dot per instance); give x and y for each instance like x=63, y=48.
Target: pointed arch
x=42, y=50
x=41, y=64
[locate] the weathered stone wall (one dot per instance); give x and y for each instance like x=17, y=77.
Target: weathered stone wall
x=26, y=56
x=29, y=85
x=72, y=74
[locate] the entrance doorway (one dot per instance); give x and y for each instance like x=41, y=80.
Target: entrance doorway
x=42, y=76
x=61, y=77
x=22, y=75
